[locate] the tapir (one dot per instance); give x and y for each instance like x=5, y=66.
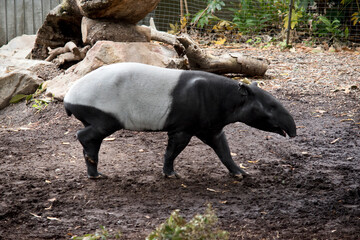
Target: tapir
x=183, y=103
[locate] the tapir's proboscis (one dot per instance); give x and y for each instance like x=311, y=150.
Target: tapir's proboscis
x=183, y=103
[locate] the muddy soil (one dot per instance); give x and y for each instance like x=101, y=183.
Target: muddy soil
x=307, y=187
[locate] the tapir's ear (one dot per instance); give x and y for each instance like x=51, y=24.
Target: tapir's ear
x=254, y=84
x=244, y=89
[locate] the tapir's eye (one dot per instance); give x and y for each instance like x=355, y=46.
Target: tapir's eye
x=272, y=108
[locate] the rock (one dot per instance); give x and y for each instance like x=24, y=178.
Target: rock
x=17, y=82
x=96, y=30
x=130, y=11
x=106, y=52
x=58, y=86
x=18, y=47
x=17, y=74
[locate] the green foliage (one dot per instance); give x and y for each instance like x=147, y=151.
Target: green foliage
x=255, y=41
x=101, y=233
x=200, y=227
x=39, y=104
x=17, y=98
x=295, y=16
x=250, y=17
x=206, y=16
x=323, y=27
x=254, y=18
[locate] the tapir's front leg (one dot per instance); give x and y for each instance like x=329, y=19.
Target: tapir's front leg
x=176, y=143
x=219, y=143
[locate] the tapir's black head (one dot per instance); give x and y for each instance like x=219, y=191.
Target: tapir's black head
x=262, y=111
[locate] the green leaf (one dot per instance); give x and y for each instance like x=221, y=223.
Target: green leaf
x=17, y=98
x=346, y=32
x=28, y=97
x=325, y=20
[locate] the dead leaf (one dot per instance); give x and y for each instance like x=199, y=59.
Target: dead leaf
x=220, y=41
x=49, y=208
x=233, y=154
x=223, y=202
x=335, y=140
x=320, y=111
x=253, y=161
x=65, y=143
x=109, y=139
x=241, y=166
x=347, y=120
x=53, y=218
x=332, y=49
x=211, y=190
x=35, y=215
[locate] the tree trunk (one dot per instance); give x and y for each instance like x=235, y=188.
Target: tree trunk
x=94, y=30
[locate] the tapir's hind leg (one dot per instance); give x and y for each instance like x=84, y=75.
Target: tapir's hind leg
x=91, y=139
x=219, y=143
x=176, y=143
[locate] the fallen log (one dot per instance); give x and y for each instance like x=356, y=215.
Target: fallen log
x=200, y=59
x=70, y=52
x=69, y=47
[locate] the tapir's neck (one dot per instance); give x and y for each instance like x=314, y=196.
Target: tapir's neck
x=233, y=104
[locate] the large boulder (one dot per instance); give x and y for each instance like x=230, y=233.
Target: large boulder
x=130, y=11
x=106, y=52
x=17, y=74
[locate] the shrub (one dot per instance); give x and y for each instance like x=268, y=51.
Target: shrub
x=201, y=227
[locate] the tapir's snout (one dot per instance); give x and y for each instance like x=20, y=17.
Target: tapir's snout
x=287, y=126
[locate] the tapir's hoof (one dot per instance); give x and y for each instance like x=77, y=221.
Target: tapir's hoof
x=239, y=176
x=172, y=175
x=99, y=176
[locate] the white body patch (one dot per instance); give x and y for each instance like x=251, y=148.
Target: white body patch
x=138, y=95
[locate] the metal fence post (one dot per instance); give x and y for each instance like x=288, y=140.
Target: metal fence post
x=289, y=22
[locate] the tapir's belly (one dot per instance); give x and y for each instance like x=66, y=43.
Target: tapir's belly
x=139, y=99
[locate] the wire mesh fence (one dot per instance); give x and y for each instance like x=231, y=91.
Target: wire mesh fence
x=311, y=20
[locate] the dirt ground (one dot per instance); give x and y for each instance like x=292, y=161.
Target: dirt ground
x=307, y=187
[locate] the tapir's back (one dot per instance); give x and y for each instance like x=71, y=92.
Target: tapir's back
x=137, y=95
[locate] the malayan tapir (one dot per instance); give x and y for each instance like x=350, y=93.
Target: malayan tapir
x=183, y=103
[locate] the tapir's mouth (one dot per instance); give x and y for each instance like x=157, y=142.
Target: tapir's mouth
x=283, y=133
